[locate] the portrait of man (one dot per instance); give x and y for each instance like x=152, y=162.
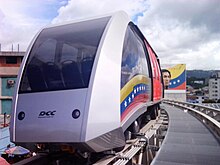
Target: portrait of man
x=166, y=78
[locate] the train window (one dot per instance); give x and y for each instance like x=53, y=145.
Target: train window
x=68, y=53
x=62, y=57
x=46, y=51
x=134, y=60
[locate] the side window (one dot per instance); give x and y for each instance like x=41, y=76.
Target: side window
x=134, y=60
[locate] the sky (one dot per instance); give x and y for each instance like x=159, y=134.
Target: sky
x=180, y=31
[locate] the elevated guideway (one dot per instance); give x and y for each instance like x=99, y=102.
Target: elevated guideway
x=188, y=141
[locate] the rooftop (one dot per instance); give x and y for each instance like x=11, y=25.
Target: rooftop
x=12, y=53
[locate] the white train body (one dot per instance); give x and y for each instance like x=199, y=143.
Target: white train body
x=73, y=89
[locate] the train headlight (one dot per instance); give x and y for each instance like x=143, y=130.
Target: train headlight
x=21, y=115
x=75, y=113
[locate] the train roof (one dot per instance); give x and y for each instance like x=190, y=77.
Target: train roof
x=120, y=14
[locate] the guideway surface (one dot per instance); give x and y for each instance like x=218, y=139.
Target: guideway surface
x=187, y=141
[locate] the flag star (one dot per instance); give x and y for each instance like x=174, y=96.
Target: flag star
x=174, y=82
x=137, y=89
x=134, y=91
x=132, y=95
x=178, y=81
x=140, y=88
x=125, y=104
x=170, y=83
x=129, y=100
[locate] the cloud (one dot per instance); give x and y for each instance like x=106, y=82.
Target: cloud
x=90, y=8
x=181, y=31
x=20, y=21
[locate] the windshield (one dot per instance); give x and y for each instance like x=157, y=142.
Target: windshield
x=62, y=57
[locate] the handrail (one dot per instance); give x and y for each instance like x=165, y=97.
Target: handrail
x=210, y=111
x=207, y=115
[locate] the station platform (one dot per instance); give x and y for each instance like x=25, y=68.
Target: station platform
x=188, y=141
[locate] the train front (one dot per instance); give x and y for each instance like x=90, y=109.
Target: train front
x=53, y=100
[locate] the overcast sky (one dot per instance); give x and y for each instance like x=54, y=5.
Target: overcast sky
x=180, y=31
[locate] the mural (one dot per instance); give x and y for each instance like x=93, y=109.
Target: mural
x=174, y=77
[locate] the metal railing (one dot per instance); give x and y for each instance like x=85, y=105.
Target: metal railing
x=213, y=105
x=208, y=115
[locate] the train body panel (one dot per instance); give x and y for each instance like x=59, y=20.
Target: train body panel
x=135, y=96
x=84, y=83
x=156, y=75
x=38, y=125
x=105, y=94
x=135, y=77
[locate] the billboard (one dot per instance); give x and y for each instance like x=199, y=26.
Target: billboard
x=174, y=77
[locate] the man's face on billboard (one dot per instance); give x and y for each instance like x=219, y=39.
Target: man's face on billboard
x=166, y=78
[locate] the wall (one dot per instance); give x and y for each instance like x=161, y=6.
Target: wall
x=6, y=94
x=10, y=62
x=175, y=95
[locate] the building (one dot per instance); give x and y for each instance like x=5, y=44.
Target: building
x=9, y=65
x=201, y=99
x=214, y=87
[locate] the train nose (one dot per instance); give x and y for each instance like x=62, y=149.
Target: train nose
x=47, y=120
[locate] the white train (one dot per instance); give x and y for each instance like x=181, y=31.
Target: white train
x=86, y=84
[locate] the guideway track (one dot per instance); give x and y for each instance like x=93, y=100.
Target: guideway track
x=188, y=141
x=208, y=115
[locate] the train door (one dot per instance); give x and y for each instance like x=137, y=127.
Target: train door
x=156, y=74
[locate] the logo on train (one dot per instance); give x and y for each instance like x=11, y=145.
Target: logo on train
x=46, y=114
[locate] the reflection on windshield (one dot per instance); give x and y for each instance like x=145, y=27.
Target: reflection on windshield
x=134, y=60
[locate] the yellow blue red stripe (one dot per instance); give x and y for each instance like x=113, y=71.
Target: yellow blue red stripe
x=136, y=91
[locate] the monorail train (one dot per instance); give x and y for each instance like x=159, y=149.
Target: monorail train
x=88, y=84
